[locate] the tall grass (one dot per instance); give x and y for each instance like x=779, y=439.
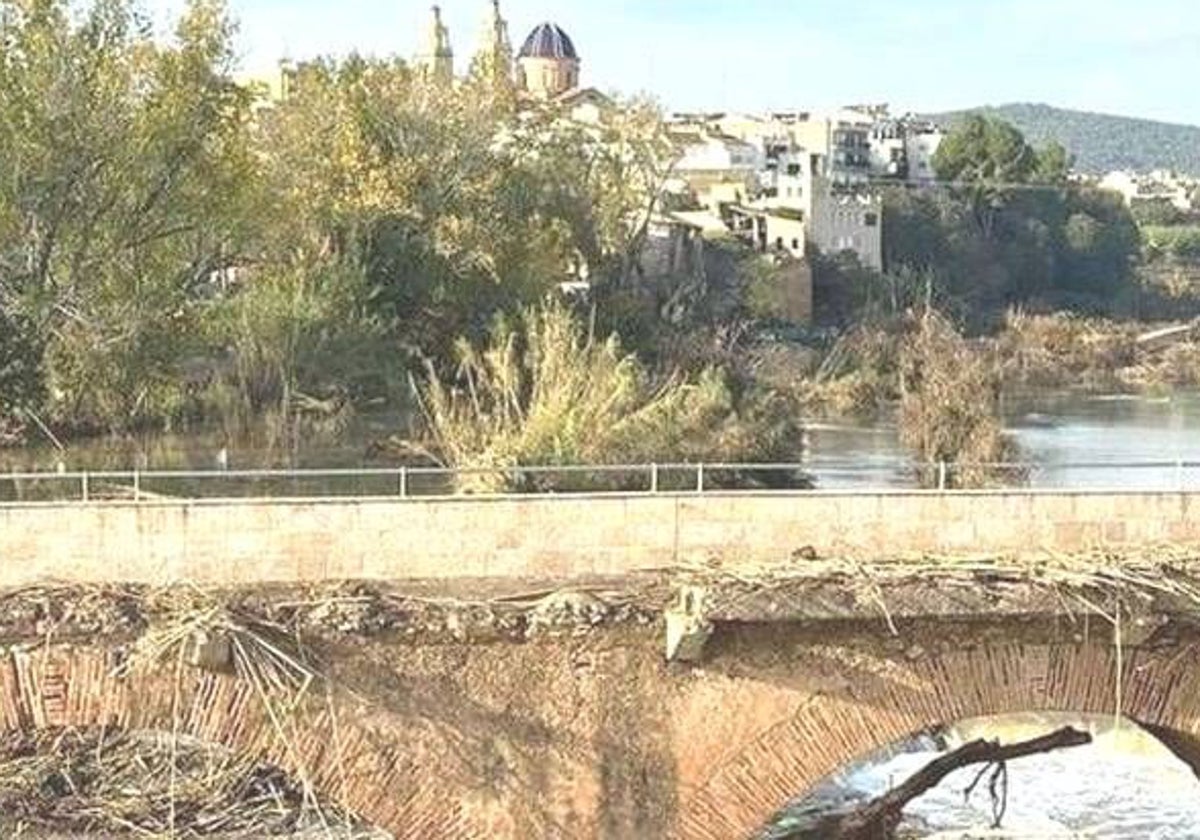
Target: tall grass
x=949, y=406
x=544, y=391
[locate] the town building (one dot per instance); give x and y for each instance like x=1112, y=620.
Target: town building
x=1179, y=191
x=547, y=69
x=716, y=168
x=840, y=140
x=778, y=193
x=548, y=65
x=903, y=148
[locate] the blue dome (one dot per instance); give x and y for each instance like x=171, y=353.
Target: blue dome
x=548, y=41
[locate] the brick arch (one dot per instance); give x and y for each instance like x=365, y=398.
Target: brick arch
x=347, y=761
x=831, y=731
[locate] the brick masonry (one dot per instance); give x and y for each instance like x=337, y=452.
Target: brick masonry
x=574, y=741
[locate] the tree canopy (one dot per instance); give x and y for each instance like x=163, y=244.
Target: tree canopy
x=172, y=238
x=1008, y=229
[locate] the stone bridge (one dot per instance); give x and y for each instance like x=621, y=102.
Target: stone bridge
x=496, y=668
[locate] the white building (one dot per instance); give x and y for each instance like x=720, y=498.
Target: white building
x=1160, y=185
x=717, y=168
x=786, y=181
x=902, y=149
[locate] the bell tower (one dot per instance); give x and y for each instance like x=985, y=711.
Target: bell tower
x=435, y=61
x=494, y=61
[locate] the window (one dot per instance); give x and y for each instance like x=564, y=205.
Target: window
x=793, y=169
x=795, y=244
x=871, y=220
x=779, y=243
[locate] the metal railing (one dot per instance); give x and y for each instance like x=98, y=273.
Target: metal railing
x=645, y=479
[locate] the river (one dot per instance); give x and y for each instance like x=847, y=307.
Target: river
x=1069, y=437
x=1124, y=786
x=1053, y=430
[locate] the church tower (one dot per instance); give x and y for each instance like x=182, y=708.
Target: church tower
x=494, y=61
x=435, y=61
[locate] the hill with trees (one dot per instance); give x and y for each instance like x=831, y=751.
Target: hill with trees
x=1100, y=143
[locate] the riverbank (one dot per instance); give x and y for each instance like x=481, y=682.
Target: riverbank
x=1095, y=355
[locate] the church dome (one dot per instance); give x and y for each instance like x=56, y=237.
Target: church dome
x=549, y=41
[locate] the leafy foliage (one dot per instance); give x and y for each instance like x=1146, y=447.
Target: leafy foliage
x=1010, y=231
x=1101, y=143
x=1178, y=241
x=183, y=249
x=545, y=392
x=125, y=164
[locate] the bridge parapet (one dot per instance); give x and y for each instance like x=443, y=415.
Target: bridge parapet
x=245, y=542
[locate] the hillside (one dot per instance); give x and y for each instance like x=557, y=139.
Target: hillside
x=1100, y=142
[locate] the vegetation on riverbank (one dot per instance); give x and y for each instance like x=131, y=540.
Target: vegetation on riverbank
x=546, y=391
x=174, y=252
x=1093, y=355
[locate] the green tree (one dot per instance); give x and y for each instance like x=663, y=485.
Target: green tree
x=126, y=167
x=602, y=180
x=984, y=150
x=1157, y=211
x=1053, y=164
x=20, y=378
x=1010, y=229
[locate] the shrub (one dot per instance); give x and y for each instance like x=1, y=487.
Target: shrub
x=545, y=392
x=949, y=407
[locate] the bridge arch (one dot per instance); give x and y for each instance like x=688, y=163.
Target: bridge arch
x=321, y=742
x=829, y=731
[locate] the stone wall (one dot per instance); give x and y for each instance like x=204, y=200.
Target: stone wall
x=235, y=543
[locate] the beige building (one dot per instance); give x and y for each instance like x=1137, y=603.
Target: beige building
x=843, y=220
x=810, y=184
x=1158, y=186
x=841, y=140
x=716, y=168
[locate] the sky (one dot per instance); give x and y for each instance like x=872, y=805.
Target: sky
x=1133, y=57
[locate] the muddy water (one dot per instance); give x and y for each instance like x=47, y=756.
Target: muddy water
x=1070, y=437
x=1076, y=441
x=1125, y=785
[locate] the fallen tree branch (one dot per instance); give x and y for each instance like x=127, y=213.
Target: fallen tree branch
x=879, y=819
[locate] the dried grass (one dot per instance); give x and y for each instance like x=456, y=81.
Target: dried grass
x=148, y=784
x=1167, y=574
x=950, y=408
x=192, y=627
x=1092, y=354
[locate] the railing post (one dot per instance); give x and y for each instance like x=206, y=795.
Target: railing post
x=942, y=476
x=654, y=478
x=404, y=482
x=83, y=485
x=137, y=486
x=700, y=478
